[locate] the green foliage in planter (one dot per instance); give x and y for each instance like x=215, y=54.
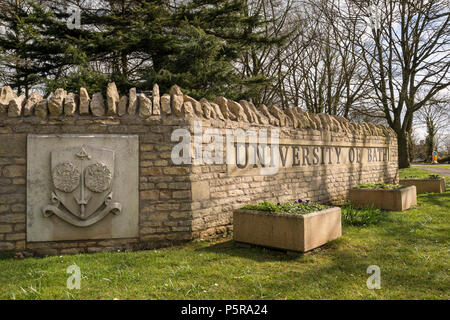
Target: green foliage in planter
x=379, y=186
x=262, y=206
x=361, y=217
x=295, y=207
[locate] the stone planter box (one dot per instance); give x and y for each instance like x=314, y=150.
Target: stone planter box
x=426, y=185
x=293, y=232
x=395, y=200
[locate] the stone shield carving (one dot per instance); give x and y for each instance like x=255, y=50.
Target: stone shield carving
x=82, y=179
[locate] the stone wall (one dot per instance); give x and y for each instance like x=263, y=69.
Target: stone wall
x=226, y=188
x=189, y=201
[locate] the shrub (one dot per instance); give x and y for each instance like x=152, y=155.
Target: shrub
x=296, y=207
x=379, y=186
x=262, y=206
x=361, y=217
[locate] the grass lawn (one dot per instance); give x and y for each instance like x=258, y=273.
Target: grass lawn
x=411, y=248
x=420, y=173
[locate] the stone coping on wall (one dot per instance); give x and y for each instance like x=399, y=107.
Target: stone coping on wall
x=138, y=106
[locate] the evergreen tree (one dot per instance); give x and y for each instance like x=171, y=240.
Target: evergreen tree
x=212, y=34
x=33, y=47
x=135, y=43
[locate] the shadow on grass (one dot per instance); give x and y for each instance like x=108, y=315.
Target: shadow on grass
x=263, y=254
x=341, y=266
x=413, y=232
x=254, y=252
x=401, y=244
x=7, y=255
x=347, y=271
x=437, y=199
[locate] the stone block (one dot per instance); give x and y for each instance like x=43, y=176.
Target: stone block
x=200, y=190
x=97, y=105
x=33, y=99
x=165, y=104
x=14, y=171
x=56, y=102
x=122, y=108
x=15, y=106
x=287, y=231
x=425, y=185
x=395, y=200
x=132, y=102
x=85, y=102
x=41, y=109
x=145, y=106
x=70, y=104
x=177, y=99
x=156, y=100
x=112, y=99
x=6, y=95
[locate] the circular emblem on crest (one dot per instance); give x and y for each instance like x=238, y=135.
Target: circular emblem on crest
x=98, y=177
x=66, y=177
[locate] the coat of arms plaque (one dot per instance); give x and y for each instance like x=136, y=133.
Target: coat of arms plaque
x=82, y=178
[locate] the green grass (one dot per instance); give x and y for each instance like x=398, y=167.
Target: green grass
x=362, y=217
x=411, y=248
x=417, y=173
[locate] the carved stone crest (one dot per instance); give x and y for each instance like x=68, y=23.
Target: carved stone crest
x=82, y=180
x=66, y=177
x=98, y=177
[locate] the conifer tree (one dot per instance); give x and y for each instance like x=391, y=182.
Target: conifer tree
x=212, y=34
x=33, y=47
x=135, y=43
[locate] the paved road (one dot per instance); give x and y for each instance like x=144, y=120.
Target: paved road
x=443, y=171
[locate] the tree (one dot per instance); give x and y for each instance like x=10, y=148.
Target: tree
x=446, y=144
x=33, y=46
x=265, y=63
x=119, y=38
x=435, y=117
x=328, y=75
x=134, y=43
x=221, y=32
x=315, y=67
x=417, y=146
x=407, y=57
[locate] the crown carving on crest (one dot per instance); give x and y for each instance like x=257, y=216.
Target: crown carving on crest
x=83, y=155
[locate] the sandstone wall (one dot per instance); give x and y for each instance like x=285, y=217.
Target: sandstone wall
x=188, y=201
x=225, y=188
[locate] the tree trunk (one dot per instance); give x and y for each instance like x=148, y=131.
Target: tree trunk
x=410, y=146
x=403, y=149
x=430, y=140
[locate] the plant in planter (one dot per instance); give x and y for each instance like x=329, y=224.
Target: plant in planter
x=296, y=226
x=379, y=186
x=394, y=197
x=434, y=183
